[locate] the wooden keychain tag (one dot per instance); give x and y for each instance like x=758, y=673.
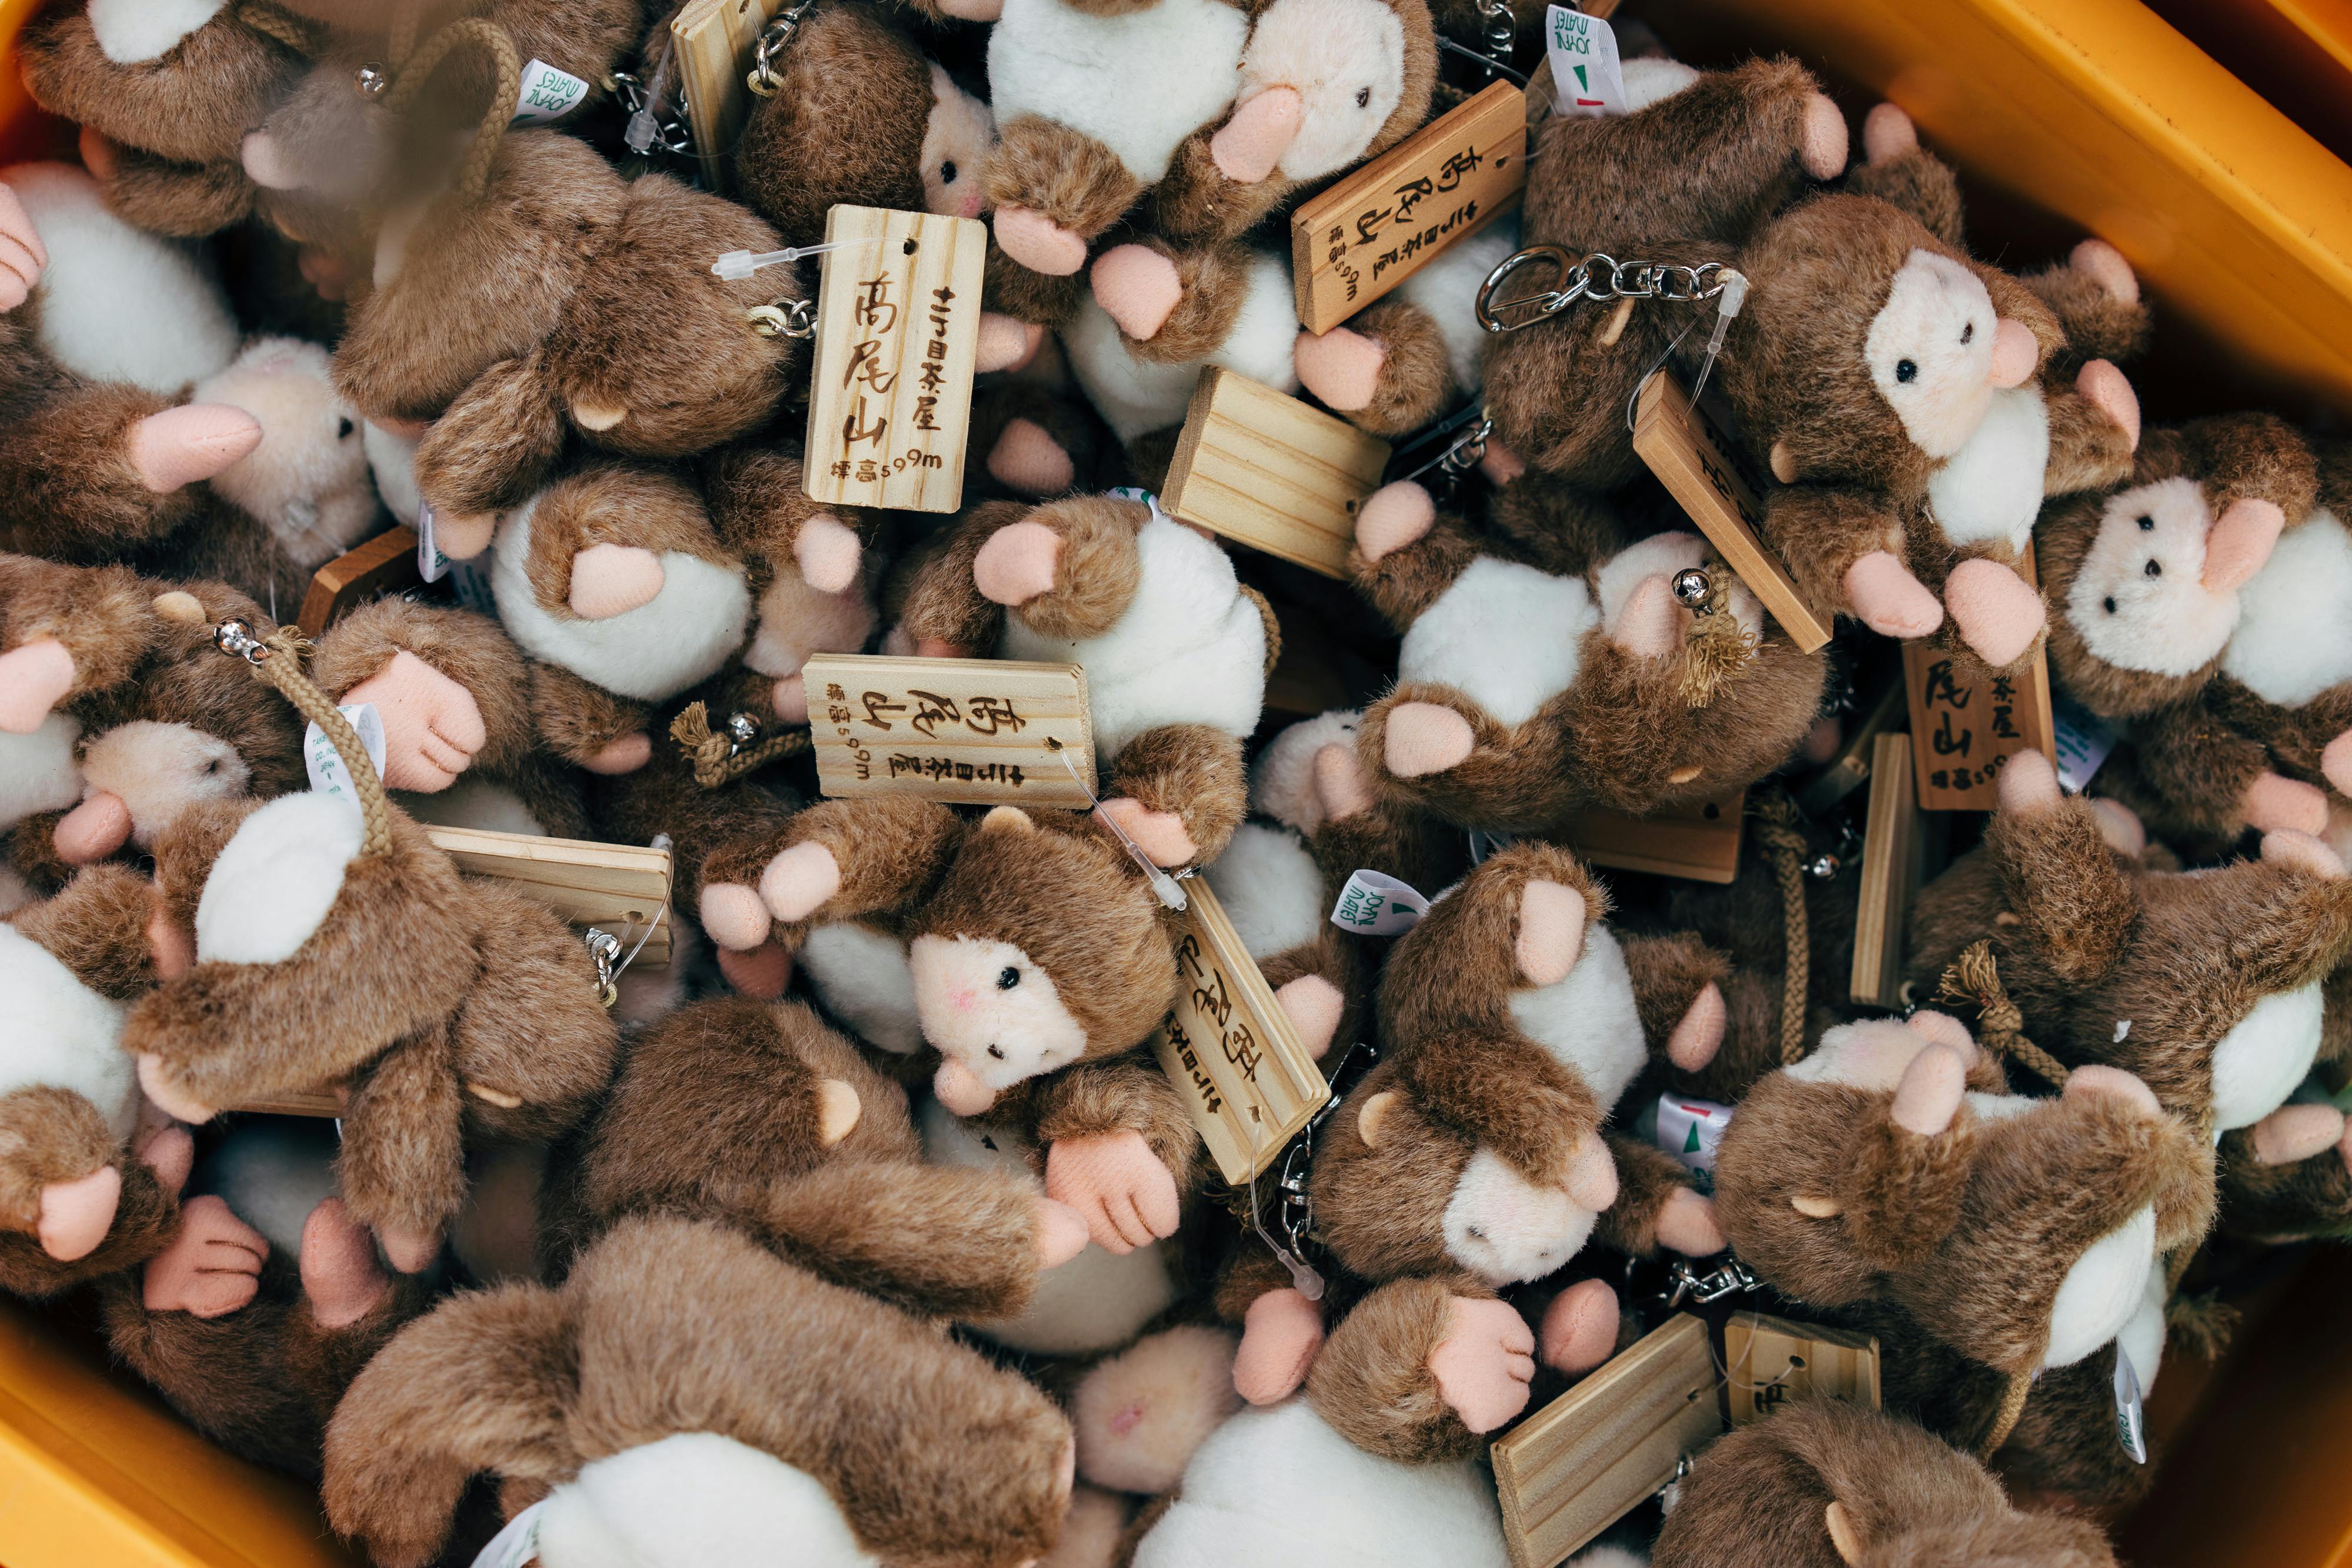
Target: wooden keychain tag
x=1230, y=1049
x=974, y=732
x=1964, y=730
x=1698, y=842
x=384, y=564
x=1265, y=470
x=1589, y=1456
x=1771, y=1362
x=1395, y=215
x=898, y=337
x=712, y=40
x=1894, y=850
x=1695, y=463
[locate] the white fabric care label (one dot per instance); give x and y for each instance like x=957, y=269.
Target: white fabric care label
x=431, y=564
x=547, y=94
x=2131, y=1430
x=1587, y=82
x=518, y=1544
x=2081, y=741
x=1375, y=904
x=1691, y=1130
x=327, y=774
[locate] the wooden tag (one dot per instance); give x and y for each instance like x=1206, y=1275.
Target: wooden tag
x=384, y=564
x=1963, y=731
x=1772, y=1361
x=897, y=334
x=1584, y=1460
x=1391, y=217
x=1892, y=852
x=1849, y=769
x=1699, y=843
x=713, y=39
x=969, y=731
x=1694, y=461
x=1264, y=469
x=1230, y=1048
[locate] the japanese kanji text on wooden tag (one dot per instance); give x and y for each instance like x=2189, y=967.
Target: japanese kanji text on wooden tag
x=897, y=334
x=1389, y=219
x=1230, y=1049
x=1771, y=1362
x=1267, y=471
x=977, y=732
x=1964, y=729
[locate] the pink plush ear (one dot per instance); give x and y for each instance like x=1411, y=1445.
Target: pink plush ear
x=2241, y=542
x=2014, y=354
x=1646, y=626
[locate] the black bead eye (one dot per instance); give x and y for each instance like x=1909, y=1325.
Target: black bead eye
x=1007, y=978
x=212, y=765
x=997, y=1051
x=343, y=430
x=2155, y=568
x=2108, y=605
x=947, y=172
x=2147, y=524
x=1363, y=97
x=1904, y=371
x=1968, y=332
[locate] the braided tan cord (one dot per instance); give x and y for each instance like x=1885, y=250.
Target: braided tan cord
x=1974, y=980
x=300, y=35
x=2004, y=1420
x=473, y=174
x=1777, y=825
x=406, y=16
x=716, y=760
x=283, y=669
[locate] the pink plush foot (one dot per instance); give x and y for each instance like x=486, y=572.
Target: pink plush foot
x=2111, y=392
x=1822, y=741
x=462, y=535
x=828, y=552
x=1393, y=516
x=192, y=441
x=1947, y=1031
x=1342, y=366
x=1313, y=1004
x=171, y=1153
x=339, y=1273
x=1248, y=147
x=1017, y=563
x=939, y=648
x=2120, y=827
x=1026, y=458
x=1824, y=148
x=762, y=972
x=613, y=579
x=2295, y=1133
x=960, y=1090
x=75, y=1215
x=164, y=1088
x=1485, y=1363
x=1340, y=788
x=1501, y=465
x=409, y=1251
x=1137, y=287
x=1119, y=1185
x=93, y=830
x=1140, y=1415
x=1648, y=623
x=432, y=726
x=267, y=164
x=1580, y=1327
x=1889, y=600
x=1698, y=1035
x=2116, y=1083
x=798, y=880
x=23, y=257
x=99, y=155
x=1006, y=344
x=790, y=699
x=1998, y=612
x=2303, y=851
x=625, y=755
x=1038, y=243
x=1929, y=1095
x=170, y=944
x=1551, y=932
x=213, y=1266
x=2029, y=784
x=1280, y=1334
x=33, y=679
x=2106, y=265
x=973, y=10
x=2015, y=352
x=1423, y=738
x=327, y=273
x=734, y=916
x=2274, y=804
x=2336, y=762
x=1061, y=1233
x=1686, y=1224
x=2239, y=544
x=1160, y=834
x=1592, y=1174
x=1887, y=133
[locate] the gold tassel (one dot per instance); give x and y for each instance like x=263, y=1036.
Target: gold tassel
x=1718, y=647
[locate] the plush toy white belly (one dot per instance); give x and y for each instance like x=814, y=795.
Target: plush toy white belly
x=1990, y=490
x=2293, y=639
x=1504, y=634
x=1139, y=81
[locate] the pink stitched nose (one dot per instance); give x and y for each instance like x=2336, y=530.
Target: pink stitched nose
x=1127, y=1420
x=964, y=1001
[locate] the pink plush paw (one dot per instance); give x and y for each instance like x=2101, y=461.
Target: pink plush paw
x=2240, y=543
x=2120, y=827
x=409, y=1251
x=99, y=155
x=1591, y=1176
x=1005, y=343
x=1889, y=600
x=1017, y=563
x=973, y=10
x=2029, y=784
x=1887, y=133
x=798, y=880
x=2112, y=394
x=1648, y=622
x=1137, y=287
x=162, y=1086
x=1551, y=932
x=828, y=553
x=75, y=1215
x=734, y=916
x=339, y=1273
x=1340, y=788
x=1038, y=243
x=2015, y=352
x=1501, y=465
x=2336, y=762
x=171, y=1153
x=1342, y=366
x=22, y=256
x=613, y=579
x=432, y=726
x=2106, y=265
x=2295, y=1133
x=1313, y=1004
x=624, y=755
x=1946, y=1030
x=1247, y=147
x=762, y=972
x=462, y=535
x=267, y=163
x=1393, y=516
x=213, y=1266
x=327, y=273
x=1686, y=1224
x=1822, y=741
x=788, y=699
x=1485, y=1363
x=2098, y=1078
x=1698, y=1034
x=1280, y=1334
x=33, y=679
x=93, y=830
x=171, y=945
x=1119, y=1185
x=1824, y=148
x=192, y=441
x=1580, y=1327
x=1929, y=1095
x=1160, y=834
x=2274, y=804
x=1026, y=458
x=2303, y=851
x=960, y=1090
x=1998, y=612
x=1061, y=1233
x=1423, y=738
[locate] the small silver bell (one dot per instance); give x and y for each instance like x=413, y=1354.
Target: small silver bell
x=1824, y=867
x=742, y=729
x=1692, y=587
x=371, y=81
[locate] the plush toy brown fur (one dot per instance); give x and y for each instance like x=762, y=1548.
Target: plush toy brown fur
x=667, y=1327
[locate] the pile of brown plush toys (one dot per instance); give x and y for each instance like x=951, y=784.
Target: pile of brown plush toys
x=872, y=1232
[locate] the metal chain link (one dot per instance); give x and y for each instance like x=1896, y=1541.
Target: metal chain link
x=650, y=129
x=1596, y=277
x=763, y=78
x=786, y=318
